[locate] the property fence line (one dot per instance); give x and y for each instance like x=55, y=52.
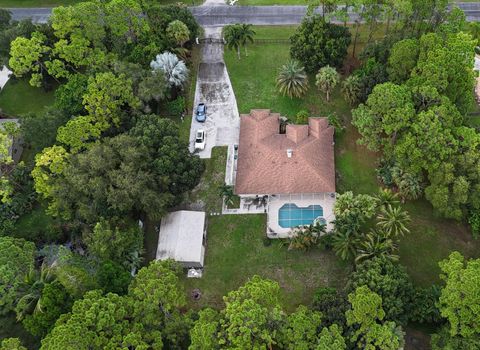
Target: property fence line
x=256, y=41
x=271, y=41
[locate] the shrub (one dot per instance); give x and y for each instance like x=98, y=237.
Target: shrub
x=334, y=121
x=332, y=304
x=302, y=117
x=474, y=222
x=176, y=107
x=423, y=307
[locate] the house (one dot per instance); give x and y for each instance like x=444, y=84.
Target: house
x=182, y=238
x=294, y=171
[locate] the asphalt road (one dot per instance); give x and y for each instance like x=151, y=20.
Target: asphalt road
x=223, y=14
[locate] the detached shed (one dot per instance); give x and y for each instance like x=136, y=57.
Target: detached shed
x=181, y=238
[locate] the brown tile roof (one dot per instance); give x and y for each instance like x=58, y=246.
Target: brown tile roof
x=263, y=165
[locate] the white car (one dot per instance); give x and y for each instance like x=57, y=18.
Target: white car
x=200, y=139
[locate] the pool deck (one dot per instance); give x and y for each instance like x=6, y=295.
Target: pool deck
x=274, y=230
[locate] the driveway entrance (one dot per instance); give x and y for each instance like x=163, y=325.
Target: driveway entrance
x=214, y=88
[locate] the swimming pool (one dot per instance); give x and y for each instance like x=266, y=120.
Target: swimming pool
x=289, y=215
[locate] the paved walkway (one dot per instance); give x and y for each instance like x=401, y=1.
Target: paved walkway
x=215, y=90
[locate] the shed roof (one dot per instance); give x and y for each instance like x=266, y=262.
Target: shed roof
x=181, y=237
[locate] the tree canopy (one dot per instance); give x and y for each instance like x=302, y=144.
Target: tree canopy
x=317, y=43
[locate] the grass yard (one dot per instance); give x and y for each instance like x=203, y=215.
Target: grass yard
x=18, y=97
x=236, y=252
x=206, y=193
x=253, y=78
x=431, y=240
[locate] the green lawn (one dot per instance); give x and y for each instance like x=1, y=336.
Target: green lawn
x=18, y=97
x=236, y=252
x=431, y=240
x=253, y=79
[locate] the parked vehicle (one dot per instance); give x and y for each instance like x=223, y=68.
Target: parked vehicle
x=200, y=139
x=201, y=113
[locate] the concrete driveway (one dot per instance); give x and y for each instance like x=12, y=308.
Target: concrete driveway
x=215, y=90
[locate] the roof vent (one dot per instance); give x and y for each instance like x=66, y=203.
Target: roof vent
x=289, y=153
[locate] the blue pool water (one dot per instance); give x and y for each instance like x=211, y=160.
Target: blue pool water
x=289, y=215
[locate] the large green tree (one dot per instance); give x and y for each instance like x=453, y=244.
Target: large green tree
x=16, y=262
x=121, y=243
x=144, y=171
x=460, y=296
x=142, y=319
x=402, y=60
x=317, y=43
x=300, y=330
x=367, y=316
x=387, y=112
x=106, y=96
x=390, y=281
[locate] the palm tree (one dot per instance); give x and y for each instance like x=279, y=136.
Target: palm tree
x=226, y=191
x=175, y=70
x=246, y=35
x=393, y=220
x=352, y=89
x=31, y=300
x=306, y=237
x=387, y=197
x=292, y=79
x=327, y=79
x=234, y=37
x=376, y=244
x=345, y=244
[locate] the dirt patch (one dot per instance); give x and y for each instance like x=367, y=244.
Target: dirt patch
x=416, y=340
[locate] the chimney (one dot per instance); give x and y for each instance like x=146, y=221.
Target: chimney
x=316, y=125
x=297, y=133
x=289, y=153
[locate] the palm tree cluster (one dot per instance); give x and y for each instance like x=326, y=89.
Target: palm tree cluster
x=391, y=222
x=31, y=299
x=292, y=80
x=237, y=36
x=306, y=237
